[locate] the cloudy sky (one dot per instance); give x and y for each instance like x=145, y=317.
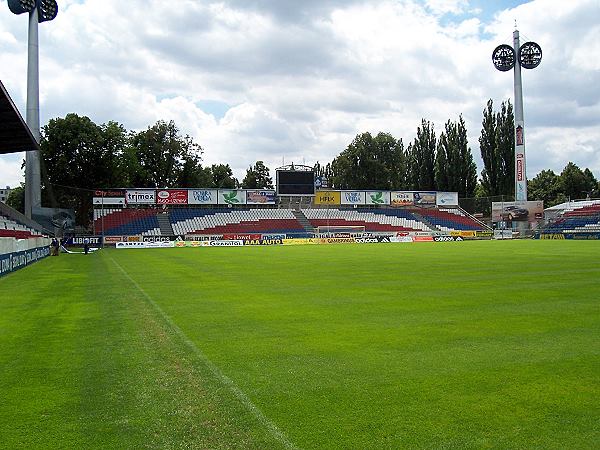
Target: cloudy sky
x=296, y=80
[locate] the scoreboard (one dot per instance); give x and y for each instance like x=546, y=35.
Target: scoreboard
x=295, y=182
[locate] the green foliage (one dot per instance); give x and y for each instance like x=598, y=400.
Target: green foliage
x=421, y=158
x=546, y=186
x=257, y=177
x=496, y=144
x=455, y=170
x=16, y=198
x=222, y=177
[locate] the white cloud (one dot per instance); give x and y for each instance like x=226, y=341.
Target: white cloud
x=305, y=77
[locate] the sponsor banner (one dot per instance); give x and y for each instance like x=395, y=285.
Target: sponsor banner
x=531, y=211
x=272, y=236
x=228, y=243
x=156, y=239
x=401, y=239
x=231, y=197
x=109, y=193
x=112, y=239
x=553, y=236
x=133, y=239
x=447, y=238
x=484, y=234
x=463, y=233
x=328, y=198
x=447, y=199
x=9, y=262
x=203, y=237
x=573, y=236
x=140, y=196
x=378, y=198
x=424, y=198
x=262, y=197
x=352, y=197
x=503, y=234
x=202, y=196
x=172, y=197
x=423, y=239
x=335, y=240
x=145, y=244
x=301, y=241
x=239, y=236
x=398, y=199
x=263, y=242
x=95, y=241
x=106, y=201
x=51, y=218
x=373, y=240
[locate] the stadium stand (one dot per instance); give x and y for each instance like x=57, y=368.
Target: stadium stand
x=116, y=222
x=14, y=229
x=375, y=220
x=222, y=221
x=450, y=219
x=576, y=217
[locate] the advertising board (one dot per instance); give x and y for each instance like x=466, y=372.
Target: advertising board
x=202, y=196
x=9, y=262
x=399, y=199
x=378, y=198
x=229, y=243
x=327, y=198
x=109, y=197
x=447, y=199
x=112, y=239
x=141, y=244
x=241, y=236
x=424, y=198
x=353, y=197
x=260, y=197
x=529, y=211
x=95, y=241
x=263, y=242
x=172, y=197
x=140, y=196
x=231, y=197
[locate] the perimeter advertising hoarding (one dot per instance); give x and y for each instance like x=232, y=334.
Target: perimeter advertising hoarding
x=10, y=262
x=352, y=197
x=398, y=199
x=140, y=196
x=327, y=198
x=260, y=197
x=424, y=198
x=231, y=197
x=378, y=197
x=202, y=196
x=172, y=197
x=517, y=211
x=447, y=199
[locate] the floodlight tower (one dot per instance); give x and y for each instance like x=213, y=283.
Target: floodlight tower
x=505, y=57
x=39, y=11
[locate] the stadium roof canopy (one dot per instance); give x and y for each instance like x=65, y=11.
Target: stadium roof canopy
x=15, y=135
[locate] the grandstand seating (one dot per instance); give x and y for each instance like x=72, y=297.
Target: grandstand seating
x=11, y=228
x=375, y=220
x=579, y=217
x=117, y=222
x=223, y=221
x=450, y=219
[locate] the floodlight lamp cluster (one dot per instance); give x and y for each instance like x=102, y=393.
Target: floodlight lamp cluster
x=529, y=56
x=47, y=9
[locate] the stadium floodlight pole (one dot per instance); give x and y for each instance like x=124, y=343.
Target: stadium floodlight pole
x=39, y=11
x=505, y=57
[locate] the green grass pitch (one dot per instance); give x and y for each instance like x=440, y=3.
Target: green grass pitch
x=428, y=345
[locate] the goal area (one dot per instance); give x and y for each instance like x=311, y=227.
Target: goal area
x=335, y=229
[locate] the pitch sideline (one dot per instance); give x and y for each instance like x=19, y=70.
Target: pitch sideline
x=224, y=379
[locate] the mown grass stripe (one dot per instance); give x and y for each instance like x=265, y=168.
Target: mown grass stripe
x=224, y=379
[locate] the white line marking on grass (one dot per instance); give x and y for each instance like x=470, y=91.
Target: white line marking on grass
x=224, y=379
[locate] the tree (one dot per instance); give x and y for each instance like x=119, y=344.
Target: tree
x=546, y=186
x=575, y=183
x=79, y=156
x=369, y=163
x=161, y=152
x=222, y=177
x=455, y=169
x=421, y=158
x=497, y=146
x=192, y=173
x=257, y=177
x=16, y=198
